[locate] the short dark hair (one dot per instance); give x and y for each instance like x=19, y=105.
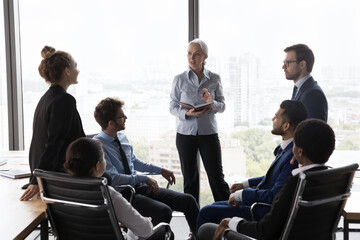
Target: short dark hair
x=82, y=155
x=316, y=138
x=106, y=111
x=294, y=112
x=53, y=64
x=303, y=52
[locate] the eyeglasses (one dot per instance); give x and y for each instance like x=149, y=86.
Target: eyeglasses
x=122, y=116
x=287, y=63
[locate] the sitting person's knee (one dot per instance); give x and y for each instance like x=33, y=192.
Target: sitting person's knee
x=190, y=201
x=166, y=213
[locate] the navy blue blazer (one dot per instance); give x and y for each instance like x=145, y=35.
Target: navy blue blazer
x=264, y=189
x=311, y=95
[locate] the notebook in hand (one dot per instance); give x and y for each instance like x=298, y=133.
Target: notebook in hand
x=16, y=173
x=199, y=107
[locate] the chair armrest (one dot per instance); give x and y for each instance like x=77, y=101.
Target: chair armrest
x=162, y=230
x=131, y=188
x=162, y=224
x=149, y=174
x=255, y=204
x=232, y=235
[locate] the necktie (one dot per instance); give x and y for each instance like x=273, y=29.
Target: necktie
x=294, y=92
x=123, y=156
x=277, y=150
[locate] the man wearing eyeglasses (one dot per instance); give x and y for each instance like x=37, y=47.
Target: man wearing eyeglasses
x=297, y=66
x=123, y=166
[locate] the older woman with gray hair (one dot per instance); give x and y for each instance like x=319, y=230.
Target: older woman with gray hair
x=197, y=127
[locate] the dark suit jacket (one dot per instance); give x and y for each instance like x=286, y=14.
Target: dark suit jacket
x=311, y=95
x=271, y=226
x=266, y=187
x=56, y=124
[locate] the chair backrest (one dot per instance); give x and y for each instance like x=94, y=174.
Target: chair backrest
x=319, y=199
x=78, y=208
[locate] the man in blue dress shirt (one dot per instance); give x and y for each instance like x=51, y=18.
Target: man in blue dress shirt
x=122, y=166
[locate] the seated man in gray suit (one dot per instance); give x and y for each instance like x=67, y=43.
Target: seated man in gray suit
x=297, y=66
x=314, y=142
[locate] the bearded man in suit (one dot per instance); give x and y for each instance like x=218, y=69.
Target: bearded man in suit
x=261, y=189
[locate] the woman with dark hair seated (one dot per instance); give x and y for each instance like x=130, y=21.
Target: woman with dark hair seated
x=85, y=158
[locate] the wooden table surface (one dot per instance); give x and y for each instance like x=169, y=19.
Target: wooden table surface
x=352, y=207
x=18, y=218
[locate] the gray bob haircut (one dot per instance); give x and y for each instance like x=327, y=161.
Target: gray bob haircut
x=202, y=44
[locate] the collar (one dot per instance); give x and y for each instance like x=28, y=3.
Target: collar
x=285, y=143
x=299, y=83
x=205, y=73
x=305, y=168
x=105, y=136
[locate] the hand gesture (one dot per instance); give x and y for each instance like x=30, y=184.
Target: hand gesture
x=168, y=175
x=30, y=192
x=236, y=186
x=232, y=201
x=152, y=183
x=294, y=161
x=206, y=96
x=224, y=224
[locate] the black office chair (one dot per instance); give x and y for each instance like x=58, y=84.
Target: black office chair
x=319, y=199
x=81, y=208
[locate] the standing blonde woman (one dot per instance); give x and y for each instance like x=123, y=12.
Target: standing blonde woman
x=197, y=130
x=56, y=120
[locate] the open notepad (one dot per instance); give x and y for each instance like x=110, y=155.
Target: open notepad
x=16, y=173
x=199, y=107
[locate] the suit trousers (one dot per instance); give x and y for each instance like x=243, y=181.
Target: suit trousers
x=210, y=151
x=217, y=211
x=160, y=206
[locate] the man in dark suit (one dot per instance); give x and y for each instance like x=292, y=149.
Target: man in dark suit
x=297, y=66
x=314, y=142
x=261, y=189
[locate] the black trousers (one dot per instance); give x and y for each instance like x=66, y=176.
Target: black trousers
x=160, y=206
x=210, y=151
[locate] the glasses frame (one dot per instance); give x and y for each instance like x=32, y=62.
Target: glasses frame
x=287, y=63
x=122, y=116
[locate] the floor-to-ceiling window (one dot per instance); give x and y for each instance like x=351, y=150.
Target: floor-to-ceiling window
x=128, y=49
x=246, y=41
x=4, y=135
x=133, y=49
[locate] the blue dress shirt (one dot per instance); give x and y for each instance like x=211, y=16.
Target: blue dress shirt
x=114, y=165
x=186, y=88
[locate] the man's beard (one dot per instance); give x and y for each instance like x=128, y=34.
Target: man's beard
x=278, y=131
